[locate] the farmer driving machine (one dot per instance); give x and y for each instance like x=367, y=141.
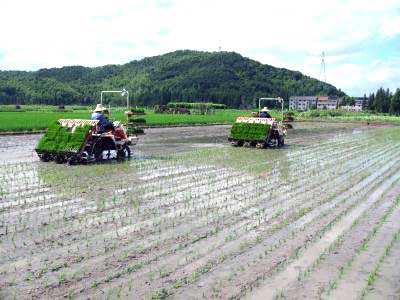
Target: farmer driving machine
x=83, y=141
x=260, y=130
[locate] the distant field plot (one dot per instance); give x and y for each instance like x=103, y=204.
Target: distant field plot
x=34, y=120
x=38, y=117
x=340, y=115
x=191, y=217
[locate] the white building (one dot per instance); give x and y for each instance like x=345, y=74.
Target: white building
x=351, y=108
x=326, y=102
x=302, y=103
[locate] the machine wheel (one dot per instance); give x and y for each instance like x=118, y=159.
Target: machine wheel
x=73, y=160
x=260, y=145
x=281, y=141
x=60, y=159
x=44, y=157
x=101, y=145
x=97, y=151
x=247, y=144
x=237, y=143
x=124, y=153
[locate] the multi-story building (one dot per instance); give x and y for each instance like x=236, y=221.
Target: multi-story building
x=326, y=102
x=302, y=103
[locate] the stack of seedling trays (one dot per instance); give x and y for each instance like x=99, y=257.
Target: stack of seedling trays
x=136, y=121
x=61, y=142
x=251, y=132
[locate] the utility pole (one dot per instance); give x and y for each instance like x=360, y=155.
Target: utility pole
x=322, y=70
x=220, y=54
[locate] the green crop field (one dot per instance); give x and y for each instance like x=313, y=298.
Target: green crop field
x=30, y=120
x=39, y=117
x=340, y=115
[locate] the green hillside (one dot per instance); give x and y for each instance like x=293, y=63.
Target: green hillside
x=224, y=77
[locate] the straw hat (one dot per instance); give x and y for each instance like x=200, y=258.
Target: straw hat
x=99, y=108
x=265, y=109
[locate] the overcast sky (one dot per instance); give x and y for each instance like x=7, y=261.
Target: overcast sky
x=361, y=38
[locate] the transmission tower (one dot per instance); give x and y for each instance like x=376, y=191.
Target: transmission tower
x=322, y=70
x=220, y=54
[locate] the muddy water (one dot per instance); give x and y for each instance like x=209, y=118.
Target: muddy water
x=18, y=148
x=156, y=141
x=167, y=141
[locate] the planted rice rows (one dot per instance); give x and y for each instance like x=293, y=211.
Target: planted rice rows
x=136, y=166
x=261, y=262
x=311, y=254
x=383, y=280
x=317, y=277
x=231, y=264
x=368, y=254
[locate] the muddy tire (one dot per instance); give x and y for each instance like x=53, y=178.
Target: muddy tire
x=237, y=143
x=60, y=159
x=124, y=153
x=45, y=157
x=73, y=160
x=281, y=141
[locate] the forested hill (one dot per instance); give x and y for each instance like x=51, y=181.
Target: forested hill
x=224, y=77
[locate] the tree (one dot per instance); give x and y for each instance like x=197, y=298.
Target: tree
x=365, y=102
x=395, y=103
x=371, y=101
x=347, y=100
x=382, y=100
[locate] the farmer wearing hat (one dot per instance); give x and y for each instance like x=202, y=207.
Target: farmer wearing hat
x=265, y=113
x=98, y=114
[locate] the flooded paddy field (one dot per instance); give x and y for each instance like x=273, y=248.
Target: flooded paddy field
x=191, y=217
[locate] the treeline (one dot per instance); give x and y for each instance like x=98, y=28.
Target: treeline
x=190, y=76
x=384, y=101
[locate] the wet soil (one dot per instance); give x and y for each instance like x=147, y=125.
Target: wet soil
x=166, y=141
